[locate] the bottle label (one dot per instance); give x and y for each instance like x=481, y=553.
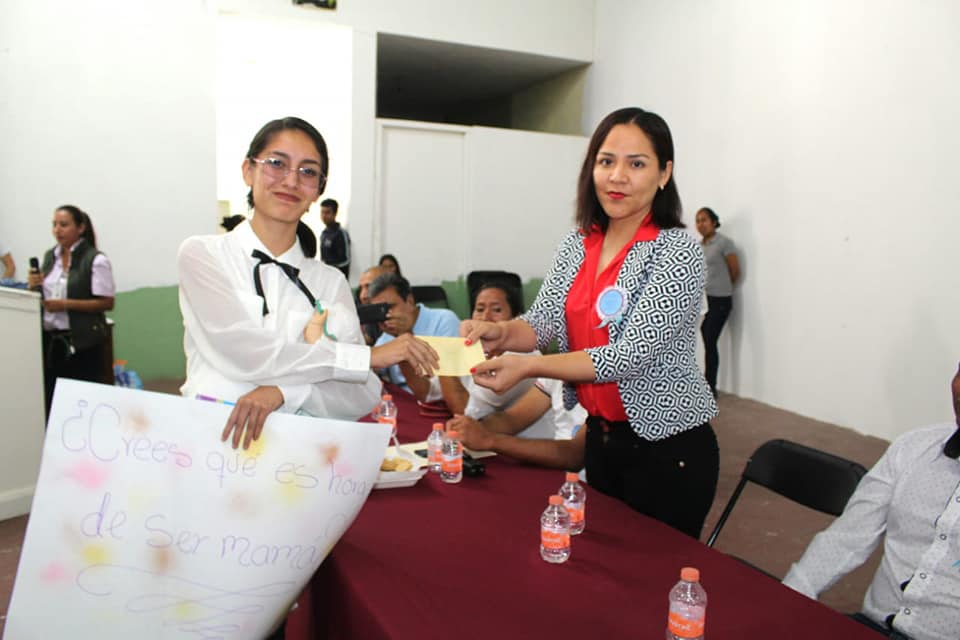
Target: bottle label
x=576, y=514
x=554, y=539
x=683, y=627
x=451, y=464
x=436, y=455
x=391, y=421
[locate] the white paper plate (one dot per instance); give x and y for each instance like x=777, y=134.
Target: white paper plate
x=396, y=479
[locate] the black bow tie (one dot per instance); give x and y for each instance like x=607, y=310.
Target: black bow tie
x=292, y=272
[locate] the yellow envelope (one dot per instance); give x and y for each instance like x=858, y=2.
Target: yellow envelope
x=456, y=358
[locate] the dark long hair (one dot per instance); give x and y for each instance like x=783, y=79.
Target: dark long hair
x=390, y=256
x=512, y=294
x=306, y=236
x=80, y=217
x=666, y=209
x=713, y=216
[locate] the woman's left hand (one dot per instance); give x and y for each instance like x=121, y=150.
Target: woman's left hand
x=315, y=327
x=250, y=413
x=500, y=374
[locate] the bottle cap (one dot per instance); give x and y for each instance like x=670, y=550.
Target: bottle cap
x=438, y=426
x=572, y=477
x=690, y=574
x=387, y=396
x=556, y=499
x=453, y=434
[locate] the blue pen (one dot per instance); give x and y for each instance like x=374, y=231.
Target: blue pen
x=200, y=396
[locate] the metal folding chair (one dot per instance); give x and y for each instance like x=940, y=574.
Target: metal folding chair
x=810, y=477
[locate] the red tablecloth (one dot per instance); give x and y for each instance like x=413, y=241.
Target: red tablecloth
x=440, y=561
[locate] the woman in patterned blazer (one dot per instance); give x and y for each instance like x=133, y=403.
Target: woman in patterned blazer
x=622, y=299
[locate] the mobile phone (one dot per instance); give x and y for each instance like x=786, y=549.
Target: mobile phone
x=370, y=313
x=34, y=265
x=471, y=466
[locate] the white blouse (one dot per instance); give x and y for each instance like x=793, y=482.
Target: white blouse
x=55, y=285
x=232, y=348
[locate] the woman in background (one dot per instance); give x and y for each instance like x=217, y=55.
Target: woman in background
x=389, y=262
x=266, y=324
x=622, y=299
x=723, y=270
x=77, y=283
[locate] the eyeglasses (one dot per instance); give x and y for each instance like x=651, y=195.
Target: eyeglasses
x=277, y=168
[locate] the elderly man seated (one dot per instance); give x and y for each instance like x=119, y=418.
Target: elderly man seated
x=911, y=499
x=407, y=316
x=370, y=330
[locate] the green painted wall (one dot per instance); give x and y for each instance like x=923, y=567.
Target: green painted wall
x=148, y=328
x=148, y=332
x=459, y=298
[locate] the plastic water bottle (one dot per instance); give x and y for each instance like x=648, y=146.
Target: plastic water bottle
x=386, y=412
x=555, y=532
x=451, y=463
x=133, y=380
x=435, y=448
x=688, y=607
x=575, y=500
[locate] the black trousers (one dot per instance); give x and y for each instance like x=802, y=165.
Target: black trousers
x=673, y=480
x=718, y=310
x=60, y=361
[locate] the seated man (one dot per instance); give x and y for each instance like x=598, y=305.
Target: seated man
x=536, y=428
x=370, y=331
x=366, y=279
x=912, y=495
x=406, y=316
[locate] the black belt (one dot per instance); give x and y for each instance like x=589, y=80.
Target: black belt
x=608, y=426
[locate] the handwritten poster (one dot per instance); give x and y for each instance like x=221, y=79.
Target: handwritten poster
x=144, y=525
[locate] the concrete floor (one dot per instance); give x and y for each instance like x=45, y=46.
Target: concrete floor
x=764, y=529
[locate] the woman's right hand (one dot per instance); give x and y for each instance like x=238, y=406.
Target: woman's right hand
x=35, y=280
x=491, y=334
x=249, y=415
x=406, y=348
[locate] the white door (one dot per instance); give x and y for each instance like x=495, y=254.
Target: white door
x=422, y=183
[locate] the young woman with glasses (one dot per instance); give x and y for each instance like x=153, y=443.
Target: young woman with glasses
x=266, y=324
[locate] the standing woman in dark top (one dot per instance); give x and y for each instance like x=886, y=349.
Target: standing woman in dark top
x=78, y=287
x=723, y=270
x=622, y=299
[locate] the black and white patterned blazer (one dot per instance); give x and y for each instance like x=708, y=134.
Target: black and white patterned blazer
x=652, y=350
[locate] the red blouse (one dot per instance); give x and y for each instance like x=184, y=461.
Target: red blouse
x=583, y=322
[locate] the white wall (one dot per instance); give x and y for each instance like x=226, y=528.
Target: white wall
x=109, y=106
x=824, y=135
x=523, y=192
x=456, y=199
x=269, y=68
x=559, y=28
